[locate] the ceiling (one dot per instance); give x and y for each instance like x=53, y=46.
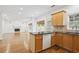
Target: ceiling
x=22, y=12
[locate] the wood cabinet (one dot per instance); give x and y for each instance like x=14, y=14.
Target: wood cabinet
x=76, y=43
x=36, y=42
x=58, y=18
x=57, y=39
x=60, y=39
x=67, y=41
x=53, y=40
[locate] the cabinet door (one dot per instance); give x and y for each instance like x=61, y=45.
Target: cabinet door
x=76, y=43
x=60, y=39
x=53, y=41
x=58, y=18
x=67, y=41
x=38, y=42
x=57, y=39
x=54, y=19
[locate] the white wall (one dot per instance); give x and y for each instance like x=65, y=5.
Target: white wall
x=8, y=26
x=0, y=26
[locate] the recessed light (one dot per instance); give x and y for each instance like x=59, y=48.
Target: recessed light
x=21, y=8
x=19, y=13
x=4, y=15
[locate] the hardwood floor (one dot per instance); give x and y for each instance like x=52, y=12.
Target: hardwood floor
x=14, y=43
x=2, y=46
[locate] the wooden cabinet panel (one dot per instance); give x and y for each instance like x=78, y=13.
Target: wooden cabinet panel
x=35, y=42
x=38, y=42
x=53, y=40
x=76, y=43
x=57, y=39
x=54, y=19
x=58, y=18
x=67, y=41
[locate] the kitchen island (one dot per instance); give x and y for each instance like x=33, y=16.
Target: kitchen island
x=40, y=41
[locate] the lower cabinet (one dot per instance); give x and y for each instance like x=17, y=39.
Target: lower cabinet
x=60, y=39
x=53, y=40
x=67, y=41
x=57, y=39
x=76, y=43
x=38, y=42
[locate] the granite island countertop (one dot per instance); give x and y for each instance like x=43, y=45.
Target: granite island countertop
x=41, y=33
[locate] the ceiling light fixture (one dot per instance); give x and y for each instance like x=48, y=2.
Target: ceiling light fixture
x=19, y=13
x=21, y=8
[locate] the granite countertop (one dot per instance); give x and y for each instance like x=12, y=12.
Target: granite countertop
x=69, y=32
x=64, y=32
x=42, y=33
x=73, y=33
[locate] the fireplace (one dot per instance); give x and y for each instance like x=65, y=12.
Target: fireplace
x=17, y=30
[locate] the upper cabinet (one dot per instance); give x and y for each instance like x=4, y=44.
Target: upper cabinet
x=58, y=18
